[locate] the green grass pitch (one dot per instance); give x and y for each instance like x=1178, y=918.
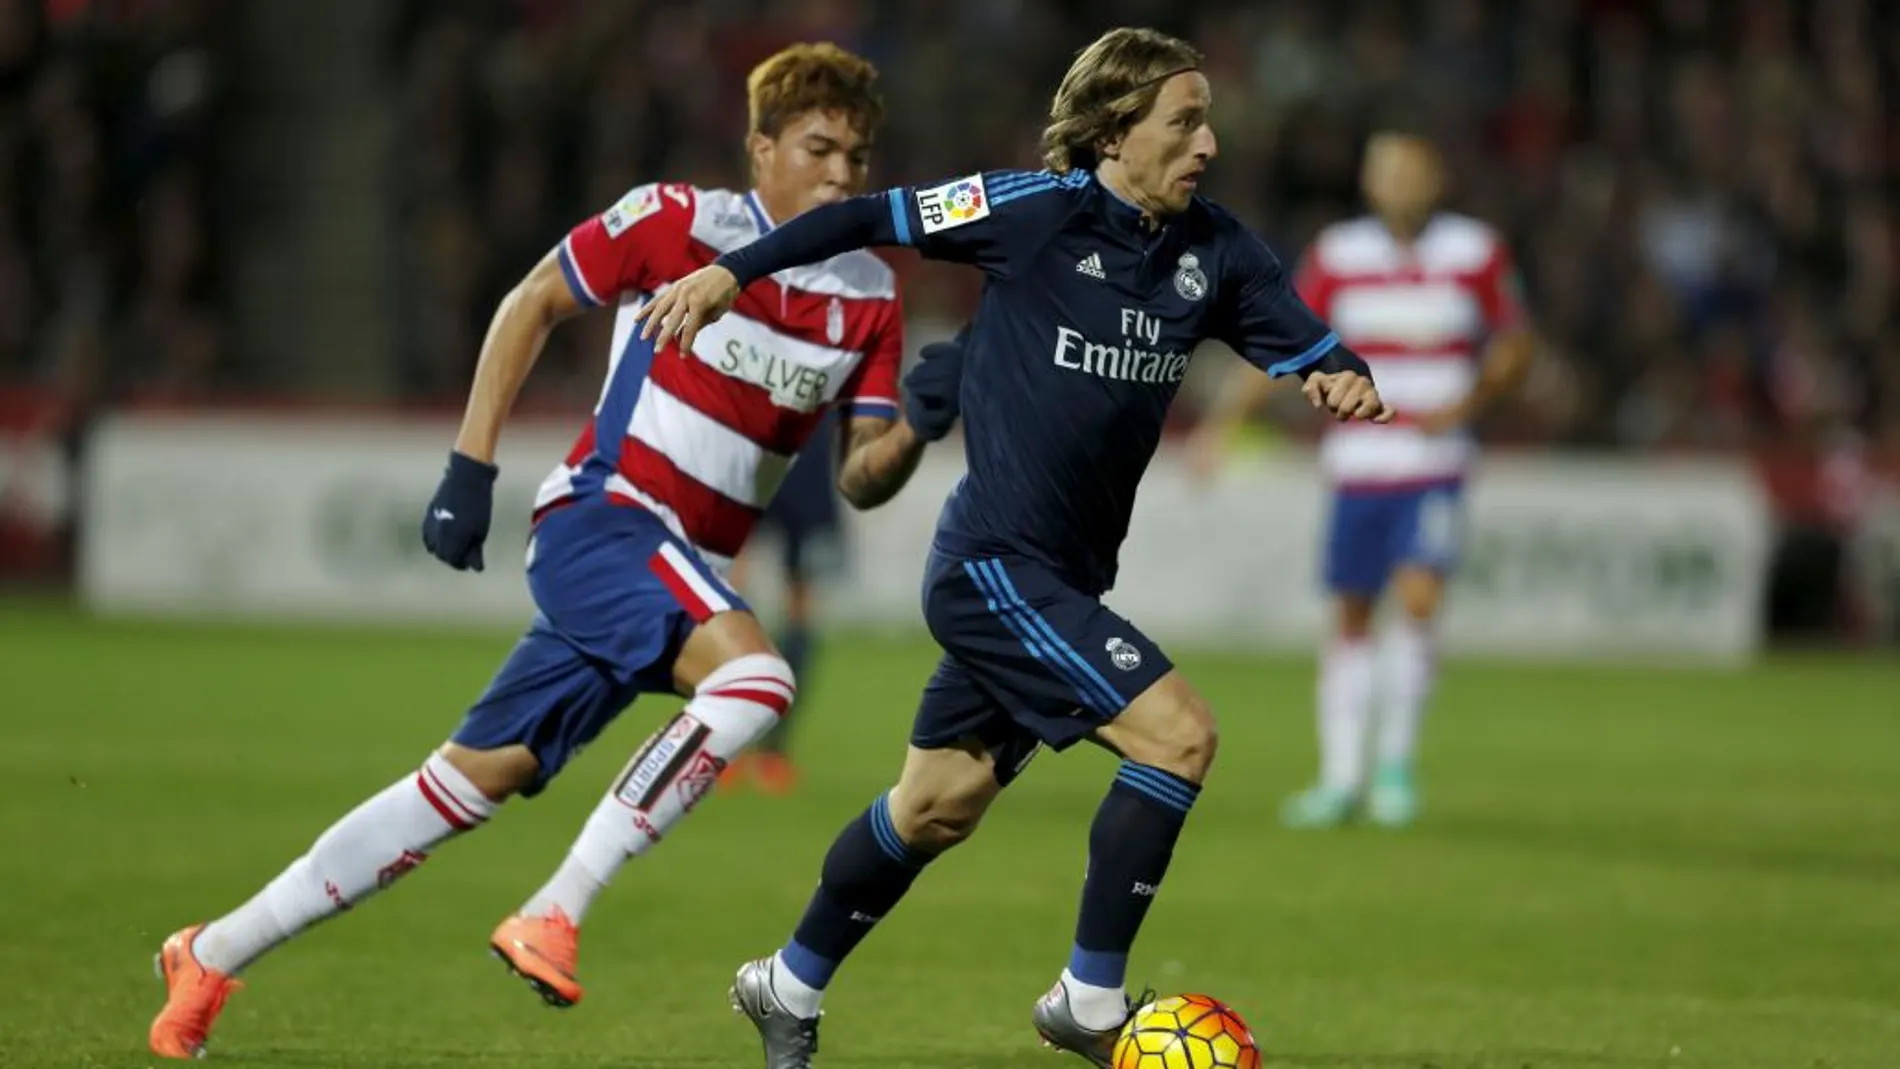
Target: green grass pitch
x=1617, y=868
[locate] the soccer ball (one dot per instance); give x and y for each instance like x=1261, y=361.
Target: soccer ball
x=1186, y=1032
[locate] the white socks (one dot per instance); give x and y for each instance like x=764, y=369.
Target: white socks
x=1346, y=683
x=798, y=997
x=1095, y=1008
x=673, y=770
x=366, y=851
x=1411, y=662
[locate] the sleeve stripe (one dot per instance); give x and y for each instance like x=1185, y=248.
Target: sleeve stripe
x=1312, y=354
x=1023, y=190
x=1010, y=181
x=859, y=404
x=571, y=271
x=900, y=217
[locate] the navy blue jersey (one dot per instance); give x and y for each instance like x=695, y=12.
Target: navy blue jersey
x=1083, y=336
x=1086, y=325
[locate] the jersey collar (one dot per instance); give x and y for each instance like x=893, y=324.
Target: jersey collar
x=1125, y=214
x=757, y=207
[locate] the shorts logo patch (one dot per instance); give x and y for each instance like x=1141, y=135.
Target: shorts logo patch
x=953, y=204
x=834, y=321
x=1123, y=654
x=635, y=206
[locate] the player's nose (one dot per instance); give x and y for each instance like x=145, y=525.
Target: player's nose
x=1206, y=146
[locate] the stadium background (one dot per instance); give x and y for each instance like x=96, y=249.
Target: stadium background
x=248, y=250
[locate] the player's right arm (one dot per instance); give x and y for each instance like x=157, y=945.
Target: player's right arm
x=982, y=219
x=515, y=338
x=597, y=261
x=594, y=263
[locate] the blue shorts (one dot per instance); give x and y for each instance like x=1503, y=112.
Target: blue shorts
x=1375, y=532
x=618, y=595
x=1027, y=659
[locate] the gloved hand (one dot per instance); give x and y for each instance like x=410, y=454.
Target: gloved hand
x=456, y=523
x=931, y=402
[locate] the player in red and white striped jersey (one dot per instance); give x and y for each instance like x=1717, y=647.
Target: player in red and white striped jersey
x=633, y=533
x=1430, y=300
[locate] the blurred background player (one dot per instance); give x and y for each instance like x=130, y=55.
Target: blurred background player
x=1430, y=299
x=803, y=519
x=1102, y=274
x=632, y=534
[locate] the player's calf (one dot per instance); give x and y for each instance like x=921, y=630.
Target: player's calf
x=734, y=705
x=366, y=851
x=1167, y=741
x=939, y=799
x=942, y=794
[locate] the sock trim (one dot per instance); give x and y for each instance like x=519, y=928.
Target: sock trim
x=809, y=967
x=1159, y=784
x=1098, y=968
x=434, y=784
x=885, y=832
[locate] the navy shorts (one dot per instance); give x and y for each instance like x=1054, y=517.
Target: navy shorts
x=1027, y=659
x=1373, y=533
x=618, y=595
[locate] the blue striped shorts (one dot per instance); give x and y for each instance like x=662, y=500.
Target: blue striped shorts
x=1027, y=659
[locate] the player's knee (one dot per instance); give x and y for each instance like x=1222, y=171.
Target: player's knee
x=1355, y=616
x=936, y=817
x=1419, y=594
x=498, y=773
x=770, y=669
x=1184, y=742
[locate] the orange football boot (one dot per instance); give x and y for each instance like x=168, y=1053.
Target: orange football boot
x=542, y=951
x=194, y=996
x=736, y=773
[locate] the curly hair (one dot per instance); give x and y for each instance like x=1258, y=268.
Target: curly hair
x=1111, y=85
x=813, y=77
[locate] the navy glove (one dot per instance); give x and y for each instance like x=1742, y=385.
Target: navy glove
x=931, y=404
x=456, y=524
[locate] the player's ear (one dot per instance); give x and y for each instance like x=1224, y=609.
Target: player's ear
x=759, y=149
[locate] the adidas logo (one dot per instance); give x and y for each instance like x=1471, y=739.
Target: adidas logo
x=1091, y=265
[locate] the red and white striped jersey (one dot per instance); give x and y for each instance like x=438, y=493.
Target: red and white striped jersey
x=703, y=439
x=1420, y=315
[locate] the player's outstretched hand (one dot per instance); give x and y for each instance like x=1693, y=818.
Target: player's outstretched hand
x=456, y=523
x=686, y=306
x=1347, y=395
x=932, y=390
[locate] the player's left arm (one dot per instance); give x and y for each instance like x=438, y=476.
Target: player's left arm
x=880, y=455
x=1508, y=353
x=881, y=448
x=1267, y=323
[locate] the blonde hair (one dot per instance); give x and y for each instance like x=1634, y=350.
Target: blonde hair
x=1110, y=87
x=813, y=77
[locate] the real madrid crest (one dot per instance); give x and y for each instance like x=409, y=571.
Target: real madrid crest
x=1189, y=282
x=834, y=321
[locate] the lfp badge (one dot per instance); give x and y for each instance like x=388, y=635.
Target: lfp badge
x=965, y=202
x=954, y=203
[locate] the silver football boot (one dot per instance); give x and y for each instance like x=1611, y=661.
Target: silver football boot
x=1055, y=1022
x=789, y=1041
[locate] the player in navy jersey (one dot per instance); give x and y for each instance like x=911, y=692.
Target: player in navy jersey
x=1104, y=273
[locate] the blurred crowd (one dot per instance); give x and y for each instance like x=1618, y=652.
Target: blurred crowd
x=109, y=239
x=1700, y=192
